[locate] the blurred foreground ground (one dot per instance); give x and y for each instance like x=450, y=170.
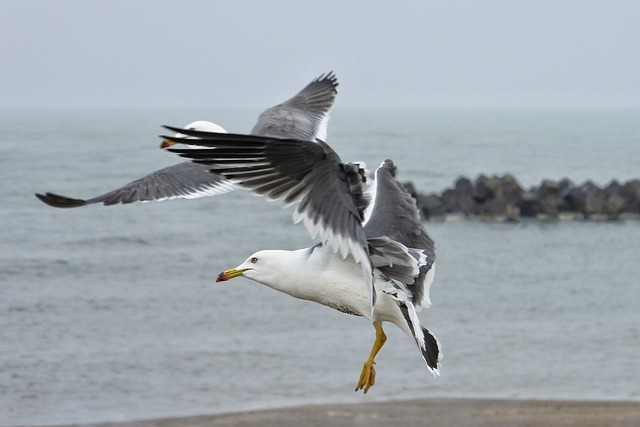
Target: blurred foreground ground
x=427, y=412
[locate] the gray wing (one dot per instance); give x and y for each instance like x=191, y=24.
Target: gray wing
x=330, y=194
x=184, y=180
x=396, y=216
x=305, y=116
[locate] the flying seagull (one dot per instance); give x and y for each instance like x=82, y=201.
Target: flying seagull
x=304, y=116
x=379, y=267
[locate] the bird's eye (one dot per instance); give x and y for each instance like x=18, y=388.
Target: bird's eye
x=254, y=260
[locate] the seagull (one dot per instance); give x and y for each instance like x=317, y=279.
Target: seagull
x=304, y=116
x=376, y=263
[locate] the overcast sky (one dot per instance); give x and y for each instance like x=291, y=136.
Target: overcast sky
x=160, y=53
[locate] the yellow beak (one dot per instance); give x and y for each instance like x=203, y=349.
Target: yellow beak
x=230, y=274
x=166, y=143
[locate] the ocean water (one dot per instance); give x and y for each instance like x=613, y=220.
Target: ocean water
x=112, y=314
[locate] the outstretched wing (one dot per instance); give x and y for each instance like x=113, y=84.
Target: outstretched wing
x=187, y=180
x=395, y=215
x=330, y=194
x=304, y=116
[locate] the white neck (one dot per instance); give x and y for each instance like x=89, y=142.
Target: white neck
x=318, y=275
x=284, y=271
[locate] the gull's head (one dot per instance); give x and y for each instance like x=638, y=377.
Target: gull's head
x=264, y=267
x=200, y=125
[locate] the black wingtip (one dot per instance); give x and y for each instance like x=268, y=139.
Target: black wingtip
x=58, y=201
x=172, y=128
x=390, y=166
x=330, y=77
x=189, y=132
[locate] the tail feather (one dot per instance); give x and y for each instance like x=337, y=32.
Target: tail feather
x=427, y=343
x=430, y=350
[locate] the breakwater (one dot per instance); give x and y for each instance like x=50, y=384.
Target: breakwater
x=503, y=198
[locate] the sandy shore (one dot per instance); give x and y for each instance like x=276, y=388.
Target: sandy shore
x=427, y=412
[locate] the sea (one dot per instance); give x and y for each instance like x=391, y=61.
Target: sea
x=113, y=313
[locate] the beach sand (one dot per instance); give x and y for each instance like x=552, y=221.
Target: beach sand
x=449, y=412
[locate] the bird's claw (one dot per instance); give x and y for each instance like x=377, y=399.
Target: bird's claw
x=367, y=377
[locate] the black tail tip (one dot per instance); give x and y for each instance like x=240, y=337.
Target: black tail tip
x=432, y=354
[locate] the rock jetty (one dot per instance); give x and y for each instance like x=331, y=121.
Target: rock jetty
x=502, y=198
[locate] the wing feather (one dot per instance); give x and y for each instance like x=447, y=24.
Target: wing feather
x=304, y=116
x=396, y=216
x=184, y=180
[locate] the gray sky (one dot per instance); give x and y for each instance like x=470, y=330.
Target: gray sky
x=160, y=53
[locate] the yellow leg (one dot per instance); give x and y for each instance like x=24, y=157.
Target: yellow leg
x=368, y=375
